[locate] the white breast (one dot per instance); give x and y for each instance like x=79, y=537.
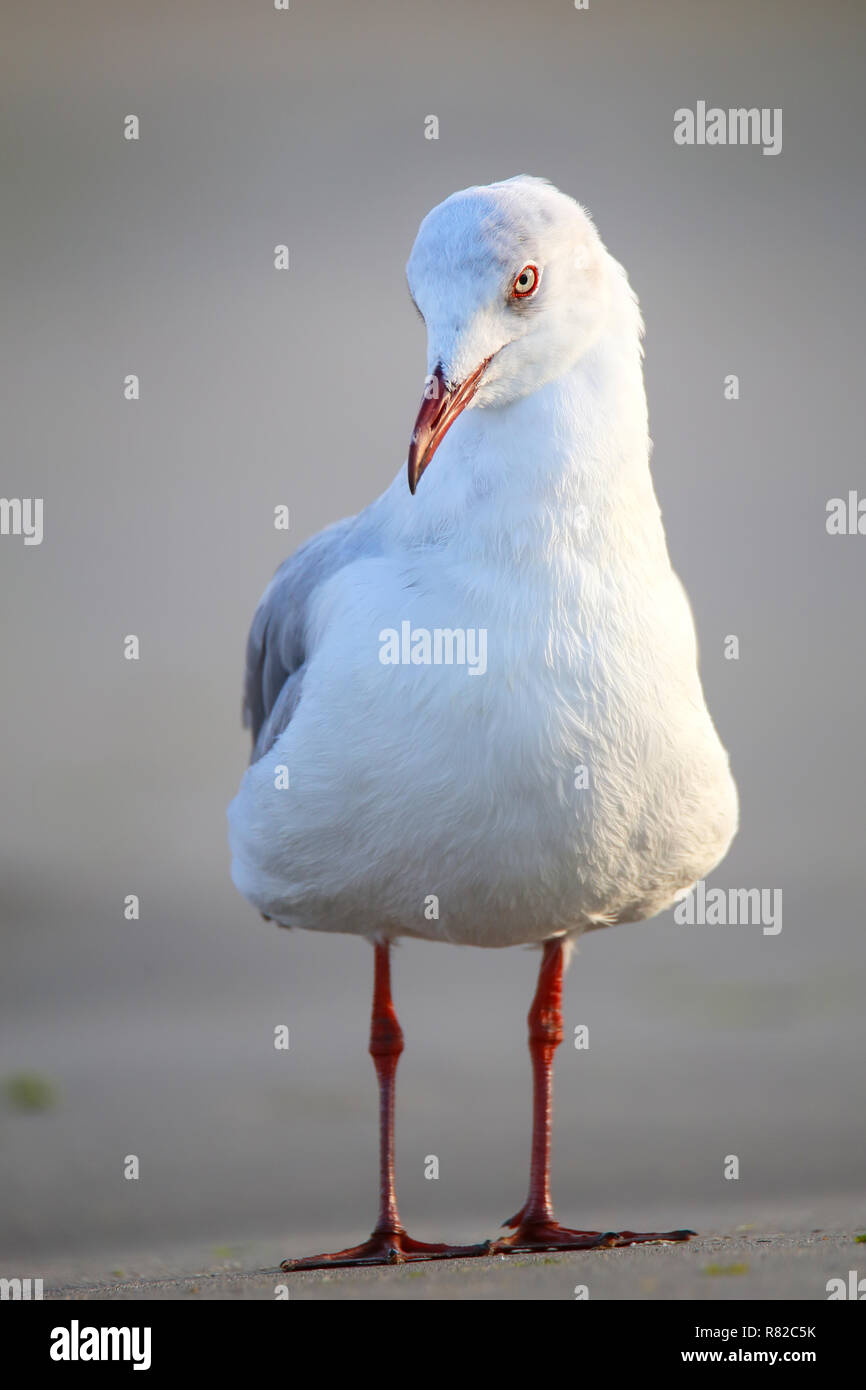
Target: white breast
x=578, y=780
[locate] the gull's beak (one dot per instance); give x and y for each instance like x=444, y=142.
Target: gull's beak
x=439, y=410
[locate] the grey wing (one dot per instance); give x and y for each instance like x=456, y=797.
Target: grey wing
x=277, y=644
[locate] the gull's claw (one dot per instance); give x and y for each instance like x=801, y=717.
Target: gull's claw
x=388, y=1248
x=549, y=1235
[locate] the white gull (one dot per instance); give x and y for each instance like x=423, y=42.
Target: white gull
x=570, y=780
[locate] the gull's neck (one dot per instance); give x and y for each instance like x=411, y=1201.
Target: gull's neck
x=560, y=475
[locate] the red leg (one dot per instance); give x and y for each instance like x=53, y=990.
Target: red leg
x=389, y=1243
x=536, y=1227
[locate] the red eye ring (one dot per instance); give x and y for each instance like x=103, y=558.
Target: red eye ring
x=526, y=283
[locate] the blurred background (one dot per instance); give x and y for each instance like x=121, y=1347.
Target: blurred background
x=155, y=1037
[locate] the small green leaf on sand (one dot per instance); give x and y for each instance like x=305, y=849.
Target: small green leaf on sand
x=861, y=1240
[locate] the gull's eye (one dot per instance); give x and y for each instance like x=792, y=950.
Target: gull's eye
x=526, y=282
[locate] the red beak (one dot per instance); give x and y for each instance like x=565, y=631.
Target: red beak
x=436, y=416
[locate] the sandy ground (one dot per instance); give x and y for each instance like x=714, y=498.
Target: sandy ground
x=759, y=1264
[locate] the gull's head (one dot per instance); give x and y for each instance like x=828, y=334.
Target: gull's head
x=513, y=283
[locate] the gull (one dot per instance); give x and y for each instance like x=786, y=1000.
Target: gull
x=571, y=780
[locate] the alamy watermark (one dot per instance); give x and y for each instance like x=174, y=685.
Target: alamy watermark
x=77, y=1343
x=739, y=125
x=854, y=1287
x=20, y=1290
x=730, y=907
x=846, y=516
x=22, y=516
x=439, y=646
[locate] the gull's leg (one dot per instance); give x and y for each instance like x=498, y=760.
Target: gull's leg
x=389, y=1243
x=536, y=1227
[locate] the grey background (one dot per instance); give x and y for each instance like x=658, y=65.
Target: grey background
x=301, y=388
